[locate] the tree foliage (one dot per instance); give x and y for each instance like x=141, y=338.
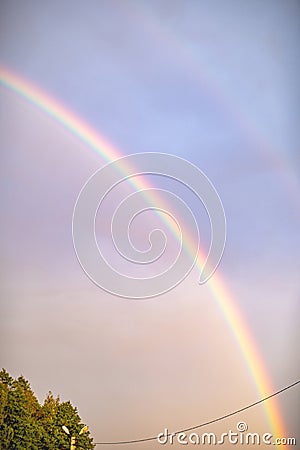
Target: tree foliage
x=25, y=424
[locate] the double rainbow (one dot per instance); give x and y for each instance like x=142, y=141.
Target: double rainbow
x=222, y=296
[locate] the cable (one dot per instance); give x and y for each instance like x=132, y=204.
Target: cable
x=134, y=441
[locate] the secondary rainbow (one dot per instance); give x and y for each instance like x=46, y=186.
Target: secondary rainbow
x=221, y=293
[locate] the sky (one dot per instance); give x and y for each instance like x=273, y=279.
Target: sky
x=215, y=83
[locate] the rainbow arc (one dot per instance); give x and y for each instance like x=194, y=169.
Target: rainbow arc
x=217, y=286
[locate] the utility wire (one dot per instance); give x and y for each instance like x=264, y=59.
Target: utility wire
x=153, y=438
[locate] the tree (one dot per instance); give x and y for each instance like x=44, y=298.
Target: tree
x=20, y=413
x=48, y=420
x=24, y=423
x=6, y=431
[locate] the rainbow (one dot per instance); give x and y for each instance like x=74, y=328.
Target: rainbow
x=221, y=293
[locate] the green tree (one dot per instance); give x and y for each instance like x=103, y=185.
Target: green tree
x=25, y=424
x=68, y=416
x=20, y=427
x=6, y=431
x=48, y=420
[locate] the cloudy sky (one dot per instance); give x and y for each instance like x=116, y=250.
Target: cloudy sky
x=215, y=83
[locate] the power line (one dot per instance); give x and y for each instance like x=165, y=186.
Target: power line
x=153, y=438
